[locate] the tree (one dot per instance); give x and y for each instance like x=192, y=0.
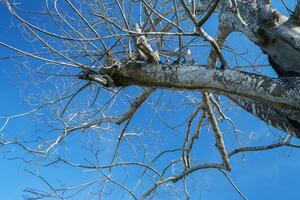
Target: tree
x=105, y=62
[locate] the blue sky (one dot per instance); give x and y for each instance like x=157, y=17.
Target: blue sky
x=262, y=175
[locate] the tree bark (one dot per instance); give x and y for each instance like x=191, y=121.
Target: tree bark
x=282, y=94
x=277, y=35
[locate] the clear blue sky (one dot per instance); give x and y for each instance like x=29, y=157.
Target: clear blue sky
x=262, y=175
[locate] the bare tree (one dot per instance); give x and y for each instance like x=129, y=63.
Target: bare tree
x=106, y=64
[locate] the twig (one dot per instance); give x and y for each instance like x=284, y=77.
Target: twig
x=233, y=184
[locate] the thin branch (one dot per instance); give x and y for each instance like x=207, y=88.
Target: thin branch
x=120, y=139
x=135, y=105
x=217, y=132
x=88, y=24
x=296, y=14
x=233, y=184
x=113, y=181
x=92, y=167
x=195, y=137
x=176, y=178
x=187, y=135
x=208, y=13
x=262, y=148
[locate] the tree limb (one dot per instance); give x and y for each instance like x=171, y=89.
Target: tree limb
x=282, y=94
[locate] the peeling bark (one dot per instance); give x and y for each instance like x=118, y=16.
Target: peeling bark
x=277, y=35
x=279, y=38
x=271, y=116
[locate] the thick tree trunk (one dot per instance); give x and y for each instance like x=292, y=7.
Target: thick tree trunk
x=277, y=35
x=279, y=38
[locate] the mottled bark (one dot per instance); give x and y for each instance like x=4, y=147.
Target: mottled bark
x=271, y=116
x=282, y=94
x=278, y=37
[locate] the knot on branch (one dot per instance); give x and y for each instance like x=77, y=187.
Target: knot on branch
x=269, y=17
x=104, y=76
x=117, y=75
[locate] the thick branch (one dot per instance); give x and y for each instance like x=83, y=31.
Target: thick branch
x=271, y=116
x=282, y=94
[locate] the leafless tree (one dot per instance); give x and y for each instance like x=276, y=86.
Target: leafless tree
x=139, y=82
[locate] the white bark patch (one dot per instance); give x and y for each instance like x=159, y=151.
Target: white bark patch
x=253, y=109
x=259, y=84
x=272, y=87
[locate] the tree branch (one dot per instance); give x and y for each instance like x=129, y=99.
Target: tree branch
x=282, y=94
